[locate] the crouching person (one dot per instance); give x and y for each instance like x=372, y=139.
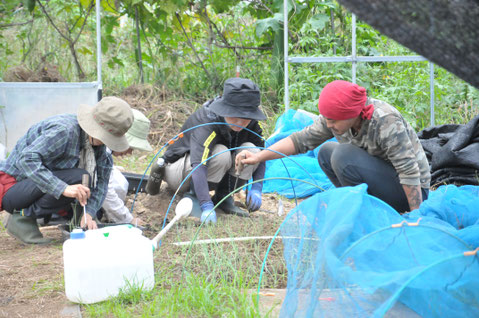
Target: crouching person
x=113, y=208
x=239, y=106
x=43, y=173
x=375, y=146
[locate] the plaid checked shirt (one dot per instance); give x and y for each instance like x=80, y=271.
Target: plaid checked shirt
x=55, y=144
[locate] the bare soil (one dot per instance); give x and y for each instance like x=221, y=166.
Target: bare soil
x=31, y=277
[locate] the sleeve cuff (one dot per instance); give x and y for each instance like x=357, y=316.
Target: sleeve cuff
x=59, y=189
x=92, y=213
x=207, y=206
x=410, y=181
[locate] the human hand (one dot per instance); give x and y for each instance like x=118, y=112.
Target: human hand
x=90, y=223
x=245, y=157
x=209, y=214
x=253, y=200
x=77, y=191
x=137, y=222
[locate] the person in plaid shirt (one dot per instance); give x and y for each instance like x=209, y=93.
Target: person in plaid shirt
x=43, y=173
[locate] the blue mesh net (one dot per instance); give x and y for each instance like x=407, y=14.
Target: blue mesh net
x=349, y=254
x=304, y=167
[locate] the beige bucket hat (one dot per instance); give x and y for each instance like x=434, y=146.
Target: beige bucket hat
x=137, y=135
x=107, y=121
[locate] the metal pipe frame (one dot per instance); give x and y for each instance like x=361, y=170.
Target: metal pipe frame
x=98, y=49
x=353, y=59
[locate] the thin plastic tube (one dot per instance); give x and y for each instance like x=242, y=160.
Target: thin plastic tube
x=186, y=178
x=183, y=132
x=267, y=253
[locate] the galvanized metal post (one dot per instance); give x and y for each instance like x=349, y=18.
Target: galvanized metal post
x=431, y=91
x=286, y=46
x=98, y=49
x=353, y=50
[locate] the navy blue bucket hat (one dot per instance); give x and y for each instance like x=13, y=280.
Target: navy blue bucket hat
x=241, y=98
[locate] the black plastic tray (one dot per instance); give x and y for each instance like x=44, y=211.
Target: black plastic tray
x=134, y=181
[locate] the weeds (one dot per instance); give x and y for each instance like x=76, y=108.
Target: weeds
x=194, y=296
x=3, y=223
x=212, y=280
x=47, y=286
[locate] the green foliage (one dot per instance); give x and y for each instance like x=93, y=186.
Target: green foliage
x=192, y=47
x=202, y=298
x=274, y=23
x=29, y=4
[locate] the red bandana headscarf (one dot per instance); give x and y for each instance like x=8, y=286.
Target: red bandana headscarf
x=344, y=100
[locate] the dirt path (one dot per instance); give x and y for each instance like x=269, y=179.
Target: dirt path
x=31, y=277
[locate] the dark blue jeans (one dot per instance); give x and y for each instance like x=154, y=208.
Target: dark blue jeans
x=25, y=195
x=349, y=165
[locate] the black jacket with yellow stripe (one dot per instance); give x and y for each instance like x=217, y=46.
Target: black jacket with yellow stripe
x=200, y=141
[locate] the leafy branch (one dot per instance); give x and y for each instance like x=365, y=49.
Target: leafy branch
x=68, y=35
x=2, y=26
x=192, y=46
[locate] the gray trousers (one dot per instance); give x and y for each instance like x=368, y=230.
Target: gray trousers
x=218, y=167
x=349, y=165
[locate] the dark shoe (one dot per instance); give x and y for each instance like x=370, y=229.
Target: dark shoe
x=25, y=229
x=156, y=176
x=228, y=206
x=46, y=219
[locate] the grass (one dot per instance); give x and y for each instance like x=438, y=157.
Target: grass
x=2, y=225
x=212, y=280
x=195, y=296
x=44, y=287
x=219, y=291
x=137, y=162
x=225, y=259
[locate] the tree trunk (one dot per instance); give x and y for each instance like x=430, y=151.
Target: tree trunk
x=140, y=59
x=80, y=73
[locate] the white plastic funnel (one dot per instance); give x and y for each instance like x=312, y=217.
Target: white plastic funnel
x=183, y=209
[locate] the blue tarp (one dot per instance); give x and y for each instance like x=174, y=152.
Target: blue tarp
x=304, y=166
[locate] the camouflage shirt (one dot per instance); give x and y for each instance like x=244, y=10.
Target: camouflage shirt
x=386, y=135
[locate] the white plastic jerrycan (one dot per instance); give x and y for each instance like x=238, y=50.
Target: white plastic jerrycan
x=99, y=263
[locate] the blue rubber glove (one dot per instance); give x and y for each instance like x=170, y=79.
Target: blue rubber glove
x=253, y=200
x=208, y=214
